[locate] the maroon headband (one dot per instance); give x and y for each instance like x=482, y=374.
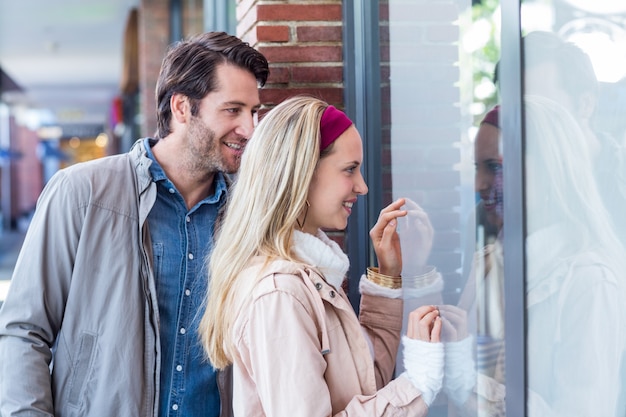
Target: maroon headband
x=493, y=117
x=334, y=122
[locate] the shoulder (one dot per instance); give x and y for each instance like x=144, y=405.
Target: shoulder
x=282, y=276
x=275, y=283
x=280, y=292
x=108, y=182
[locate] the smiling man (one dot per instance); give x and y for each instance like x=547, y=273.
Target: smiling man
x=102, y=314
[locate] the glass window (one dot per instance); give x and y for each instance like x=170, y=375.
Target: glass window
x=574, y=101
x=441, y=150
x=439, y=135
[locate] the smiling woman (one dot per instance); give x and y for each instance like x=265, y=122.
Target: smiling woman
x=275, y=304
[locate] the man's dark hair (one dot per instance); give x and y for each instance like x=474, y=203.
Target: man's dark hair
x=575, y=70
x=189, y=69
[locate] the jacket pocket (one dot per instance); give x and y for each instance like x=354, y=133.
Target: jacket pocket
x=81, y=368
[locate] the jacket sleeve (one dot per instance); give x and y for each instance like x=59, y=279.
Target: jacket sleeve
x=31, y=316
x=280, y=346
x=382, y=319
x=586, y=350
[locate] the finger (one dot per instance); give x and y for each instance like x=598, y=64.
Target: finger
x=426, y=324
x=420, y=312
x=394, y=205
x=453, y=313
x=435, y=335
x=415, y=328
x=448, y=331
x=383, y=220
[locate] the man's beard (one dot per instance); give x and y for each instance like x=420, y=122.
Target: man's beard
x=204, y=149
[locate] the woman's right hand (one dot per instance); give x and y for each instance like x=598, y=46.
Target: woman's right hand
x=424, y=324
x=386, y=241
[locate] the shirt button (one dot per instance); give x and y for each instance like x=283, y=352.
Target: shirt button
x=332, y=294
x=187, y=293
x=175, y=407
x=179, y=368
x=191, y=256
x=318, y=286
x=188, y=219
x=172, y=191
x=182, y=330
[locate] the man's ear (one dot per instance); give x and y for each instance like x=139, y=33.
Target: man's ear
x=181, y=111
x=586, y=105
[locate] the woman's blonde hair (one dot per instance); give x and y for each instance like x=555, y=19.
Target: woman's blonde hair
x=268, y=195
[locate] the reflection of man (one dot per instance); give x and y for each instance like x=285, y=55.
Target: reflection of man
x=563, y=72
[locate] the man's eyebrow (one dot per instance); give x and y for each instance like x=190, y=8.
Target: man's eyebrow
x=239, y=104
x=233, y=103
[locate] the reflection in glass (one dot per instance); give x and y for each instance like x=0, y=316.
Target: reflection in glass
x=575, y=274
x=575, y=197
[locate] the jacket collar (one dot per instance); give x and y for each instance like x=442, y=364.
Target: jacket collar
x=323, y=254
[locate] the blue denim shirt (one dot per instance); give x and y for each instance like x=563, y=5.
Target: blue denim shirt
x=181, y=239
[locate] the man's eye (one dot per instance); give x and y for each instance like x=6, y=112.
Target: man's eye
x=233, y=110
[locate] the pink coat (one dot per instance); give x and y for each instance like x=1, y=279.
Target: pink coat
x=301, y=351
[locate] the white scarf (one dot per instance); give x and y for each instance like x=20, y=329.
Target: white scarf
x=322, y=253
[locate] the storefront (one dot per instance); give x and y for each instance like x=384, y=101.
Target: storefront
x=550, y=186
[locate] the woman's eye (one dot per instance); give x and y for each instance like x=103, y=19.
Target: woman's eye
x=495, y=167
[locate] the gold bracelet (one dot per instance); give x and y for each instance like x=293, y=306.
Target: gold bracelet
x=383, y=280
x=424, y=280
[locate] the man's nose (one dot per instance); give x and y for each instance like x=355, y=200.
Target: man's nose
x=245, y=127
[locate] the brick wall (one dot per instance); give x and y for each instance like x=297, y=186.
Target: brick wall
x=302, y=41
x=28, y=172
x=153, y=43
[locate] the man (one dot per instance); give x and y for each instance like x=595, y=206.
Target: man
x=563, y=72
x=102, y=313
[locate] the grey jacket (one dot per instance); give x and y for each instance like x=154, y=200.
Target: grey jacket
x=79, y=329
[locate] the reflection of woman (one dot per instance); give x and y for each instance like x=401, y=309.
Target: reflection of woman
x=575, y=274
x=488, y=178
x=276, y=309
x=483, y=295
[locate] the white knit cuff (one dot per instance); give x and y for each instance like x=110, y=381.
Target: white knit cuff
x=460, y=370
x=424, y=362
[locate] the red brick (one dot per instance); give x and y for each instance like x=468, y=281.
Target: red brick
x=272, y=33
x=273, y=96
x=299, y=12
x=319, y=33
x=279, y=75
x=302, y=53
x=317, y=74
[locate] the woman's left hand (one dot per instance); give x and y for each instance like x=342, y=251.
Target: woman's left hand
x=386, y=241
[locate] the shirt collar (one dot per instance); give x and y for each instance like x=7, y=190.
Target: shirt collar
x=157, y=173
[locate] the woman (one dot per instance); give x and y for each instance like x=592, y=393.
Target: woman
x=276, y=309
